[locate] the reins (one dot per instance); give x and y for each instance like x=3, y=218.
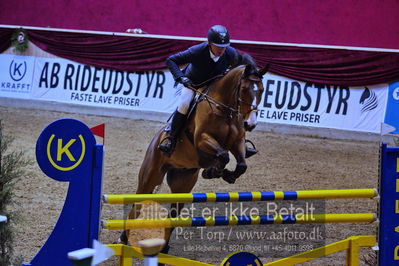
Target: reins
x=219, y=105
x=211, y=101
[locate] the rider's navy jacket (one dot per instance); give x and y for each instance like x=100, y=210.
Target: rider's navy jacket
x=200, y=66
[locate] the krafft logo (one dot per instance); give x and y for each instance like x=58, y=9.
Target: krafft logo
x=20, y=73
x=17, y=69
x=369, y=100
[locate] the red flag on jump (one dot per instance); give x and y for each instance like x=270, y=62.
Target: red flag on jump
x=99, y=131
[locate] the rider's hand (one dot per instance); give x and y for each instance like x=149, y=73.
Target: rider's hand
x=186, y=81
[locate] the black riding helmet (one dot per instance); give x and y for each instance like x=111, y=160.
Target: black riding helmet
x=219, y=36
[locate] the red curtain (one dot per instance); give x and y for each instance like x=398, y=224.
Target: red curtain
x=5, y=39
x=128, y=53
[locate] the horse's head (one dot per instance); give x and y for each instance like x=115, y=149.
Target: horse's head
x=250, y=94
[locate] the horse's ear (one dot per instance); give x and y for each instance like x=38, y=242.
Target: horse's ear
x=264, y=70
x=248, y=70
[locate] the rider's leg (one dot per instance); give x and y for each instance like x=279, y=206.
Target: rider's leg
x=169, y=143
x=178, y=120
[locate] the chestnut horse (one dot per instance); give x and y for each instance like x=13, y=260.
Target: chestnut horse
x=215, y=128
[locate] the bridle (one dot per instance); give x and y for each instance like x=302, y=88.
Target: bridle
x=253, y=107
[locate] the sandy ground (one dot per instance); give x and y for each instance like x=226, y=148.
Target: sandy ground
x=286, y=162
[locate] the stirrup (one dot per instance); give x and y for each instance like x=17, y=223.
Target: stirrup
x=167, y=147
x=250, y=151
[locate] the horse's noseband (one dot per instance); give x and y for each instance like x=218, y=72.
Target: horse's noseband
x=253, y=108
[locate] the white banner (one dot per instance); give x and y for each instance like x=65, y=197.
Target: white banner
x=61, y=80
x=292, y=102
x=284, y=101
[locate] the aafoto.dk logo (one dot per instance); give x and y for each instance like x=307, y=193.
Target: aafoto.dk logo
x=62, y=154
x=18, y=69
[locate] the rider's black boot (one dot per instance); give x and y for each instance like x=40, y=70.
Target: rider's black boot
x=167, y=145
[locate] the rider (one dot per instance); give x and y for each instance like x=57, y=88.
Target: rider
x=205, y=61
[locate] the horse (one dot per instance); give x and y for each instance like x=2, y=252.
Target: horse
x=216, y=127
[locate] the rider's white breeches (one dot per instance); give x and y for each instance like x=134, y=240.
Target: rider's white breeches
x=184, y=100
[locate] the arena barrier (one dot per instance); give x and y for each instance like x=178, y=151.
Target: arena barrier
x=67, y=151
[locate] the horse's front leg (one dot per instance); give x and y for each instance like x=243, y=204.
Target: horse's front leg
x=238, y=150
x=212, y=156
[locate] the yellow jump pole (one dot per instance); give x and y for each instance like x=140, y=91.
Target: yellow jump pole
x=240, y=196
x=239, y=220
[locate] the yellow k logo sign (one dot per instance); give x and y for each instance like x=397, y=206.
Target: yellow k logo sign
x=65, y=149
x=61, y=149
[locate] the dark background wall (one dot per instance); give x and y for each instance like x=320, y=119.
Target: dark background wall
x=363, y=23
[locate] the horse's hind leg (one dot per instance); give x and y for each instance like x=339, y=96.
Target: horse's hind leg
x=179, y=181
x=150, y=176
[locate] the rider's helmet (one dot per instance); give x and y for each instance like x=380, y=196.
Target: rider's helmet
x=219, y=36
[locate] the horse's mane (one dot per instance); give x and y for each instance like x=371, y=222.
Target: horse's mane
x=243, y=59
x=238, y=65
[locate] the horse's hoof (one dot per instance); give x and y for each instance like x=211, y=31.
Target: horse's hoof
x=205, y=175
x=229, y=180
x=122, y=239
x=211, y=173
x=228, y=176
x=165, y=249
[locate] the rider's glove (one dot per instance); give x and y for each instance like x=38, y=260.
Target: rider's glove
x=186, y=81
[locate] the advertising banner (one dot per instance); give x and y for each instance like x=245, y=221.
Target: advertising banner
x=61, y=80
x=284, y=101
x=392, y=113
x=293, y=102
